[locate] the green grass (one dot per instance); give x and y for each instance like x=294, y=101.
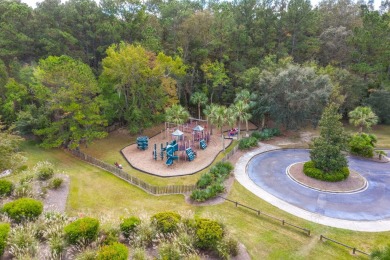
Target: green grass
x=95, y=192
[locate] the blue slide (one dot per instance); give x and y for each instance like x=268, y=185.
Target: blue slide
x=171, y=149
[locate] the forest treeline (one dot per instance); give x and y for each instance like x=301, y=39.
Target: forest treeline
x=69, y=69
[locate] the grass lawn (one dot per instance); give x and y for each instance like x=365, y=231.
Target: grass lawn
x=95, y=192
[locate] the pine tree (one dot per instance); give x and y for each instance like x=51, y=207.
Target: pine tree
x=327, y=149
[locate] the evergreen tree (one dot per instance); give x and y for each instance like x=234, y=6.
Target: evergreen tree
x=326, y=153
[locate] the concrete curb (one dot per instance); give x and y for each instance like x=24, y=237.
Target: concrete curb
x=243, y=178
x=364, y=187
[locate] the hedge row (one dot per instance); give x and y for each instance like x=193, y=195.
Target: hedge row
x=211, y=184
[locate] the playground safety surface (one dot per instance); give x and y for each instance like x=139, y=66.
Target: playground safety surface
x=144, y=161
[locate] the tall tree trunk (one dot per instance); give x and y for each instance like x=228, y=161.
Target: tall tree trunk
x=247, y=127
x=199, y=110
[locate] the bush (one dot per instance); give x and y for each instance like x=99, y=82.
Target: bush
x=115, y=251
x=199, y=195
x=247, y=142
x=166, y=222
x=362, y=145
x=227, y=165
x=44, y=171
x=310, y=170
x=6, y=188
x=4, y=230
x=23, y=209
x=208, y=233
x=83, y=228
x=128, y=225
x=204, y=181
x=256, y=134
x=56, y=183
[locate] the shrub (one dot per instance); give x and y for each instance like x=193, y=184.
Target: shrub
x=199, y=195
x=227, y=165
x=204, y=181
x=6, y=188
x=166, y=222
x=310, y=170
x=256, y=134
x=128, y=225
x=82, y=229
x=208, y=233
x=44, y=170
x=247, y=142
x=4, y=230
x=362, y=145
x=115, y=251
x=23, y=209
x=56, y=183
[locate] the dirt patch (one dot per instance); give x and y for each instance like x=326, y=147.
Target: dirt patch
x=55, y=200
x=354, y=182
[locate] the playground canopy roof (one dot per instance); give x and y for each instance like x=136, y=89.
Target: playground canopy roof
x=198, y=128
x=177, y=133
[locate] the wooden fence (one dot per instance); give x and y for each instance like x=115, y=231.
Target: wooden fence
x=152, y=189
x=230, y=154
x=262, y=213
x=354, y=249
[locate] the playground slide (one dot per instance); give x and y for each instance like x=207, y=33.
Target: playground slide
x=169, y=162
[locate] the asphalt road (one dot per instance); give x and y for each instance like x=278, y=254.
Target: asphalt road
x=268, y=171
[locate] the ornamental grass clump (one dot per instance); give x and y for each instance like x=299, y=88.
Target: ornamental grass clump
x=23, y=209
x=44, y=170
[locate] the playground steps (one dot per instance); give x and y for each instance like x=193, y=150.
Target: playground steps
x=203, y=144
x=190, y=154
x=142, y=142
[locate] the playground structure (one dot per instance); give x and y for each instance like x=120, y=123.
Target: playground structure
x=187, y=152
x=185, y=138
x=142, y=142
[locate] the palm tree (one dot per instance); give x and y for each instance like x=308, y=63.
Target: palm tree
x=218, y=117
x=241, y=112
x=243, y=95
x=176, y=114
x=199, y=98
x=209, y=111
x=363, y=117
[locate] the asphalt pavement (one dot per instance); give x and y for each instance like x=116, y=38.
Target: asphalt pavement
x=264, y=173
